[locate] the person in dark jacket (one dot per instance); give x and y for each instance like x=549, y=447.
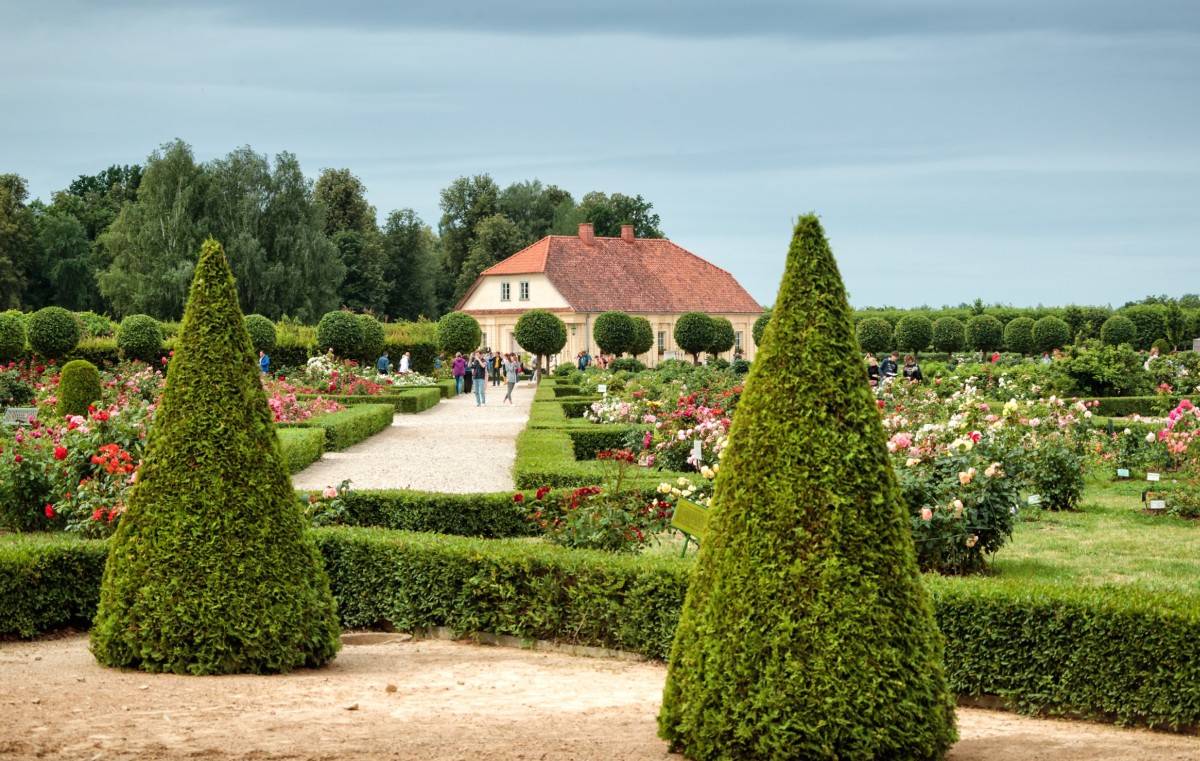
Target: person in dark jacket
x=912, y=371
x=872, y=370
x=479, y=377
x=889, y=368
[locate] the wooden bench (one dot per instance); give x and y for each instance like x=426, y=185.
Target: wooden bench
x=20, y=415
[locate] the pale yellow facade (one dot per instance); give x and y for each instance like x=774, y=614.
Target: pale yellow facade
x=498, y=317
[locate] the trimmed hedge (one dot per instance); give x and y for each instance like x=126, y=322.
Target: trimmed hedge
x=350, y=426
x=301, y=447
x=577, y=406
x=1123, y=406
x=492, y=516
x=409, y=400
x=448, y=388
x=1124, y=654
x=586, y=442
x=565, y=389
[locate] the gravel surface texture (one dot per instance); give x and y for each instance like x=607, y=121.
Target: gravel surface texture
x=455, y=447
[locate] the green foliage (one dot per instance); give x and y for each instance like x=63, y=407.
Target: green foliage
x=724, y=337
x=803, y=559
x=95, y=325
x=913, y=333
x=1124, y=406
x=1097, y=369
x=52, y=332
x=1150, y=321
x=1054, y=473
x=341, y=331
x=1018, y=335
x=541, y=332
x=301, y=447
x=140, y=337
x=874, y=335
x=949, y=335
x=12, y=337
x=79, y=385
x=1162, y=346
x=984, y=333
x=626, y=364
x=211, y=569
x=262, y=333
x=47, y=582
x=1118, y=330
x=371, y=338
x=643, y=337
x=760, y=327
x=563, y=370
x=613, y=332
x=492, y=516
x=458, y=332
x=694, y=333
x=1050, y=333
x=349, y=426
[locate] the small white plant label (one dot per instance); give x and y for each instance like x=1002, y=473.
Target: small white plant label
x=697, y=454
x=603, y=388
x=1122, y=472
x=1158, y=504
x=1035, y=499
x=1153, y=477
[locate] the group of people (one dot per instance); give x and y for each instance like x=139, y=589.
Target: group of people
x=472, y=374
x=403, y=367
x=882, y=373
x=584, y=358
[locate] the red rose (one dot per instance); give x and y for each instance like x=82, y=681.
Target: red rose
x=49, y=510
x=518, y=498
x=17, y=458
x=60, y=453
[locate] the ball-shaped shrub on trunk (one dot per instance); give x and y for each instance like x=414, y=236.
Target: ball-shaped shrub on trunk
x=613, y=333
x=724, y=337
x=913, y=332
x=262, y=333
x=79, y=385
x=541, y=333
x=458, y=332
x=643, y=337
x=694, y=333
x=874, y=334
x=949, y=334
x=806, y=631
x=140, y=336
x=984, y=333
x=212, y=569
x=1118, y=330
x=760, y=327
x=12, y=336
x=1050, y=333
x=52, y=332
x=372, y=338
x=1018, y=335
x=340, y=331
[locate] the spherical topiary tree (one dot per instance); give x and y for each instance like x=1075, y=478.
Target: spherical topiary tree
x=949, y=334
x=79, y=385
x=643, y=337
x=1018, y=335
x=694, y=333
x=262, y=333
x=984, y=333
x=1118, y=330
x=1151, y=322
x=140, y=336
x=874, y=334
x=212, y=569
x=724, y=337
x=12, y=336
x=458, y=332
x=52, y=332
x=760, y=327
x=340, y=331
x=913, y=332
x=613, y=333
x=807, y=631
x=541, y=333
x=1050, y=333
x=371, y=338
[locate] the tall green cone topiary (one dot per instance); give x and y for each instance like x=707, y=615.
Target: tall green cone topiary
x=211, y=570
x=807, y=632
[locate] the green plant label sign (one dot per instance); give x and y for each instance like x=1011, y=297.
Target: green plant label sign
x=1122, y=472
x=690, y=518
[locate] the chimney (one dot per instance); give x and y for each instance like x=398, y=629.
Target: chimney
x=627, y=233
x=586, y=233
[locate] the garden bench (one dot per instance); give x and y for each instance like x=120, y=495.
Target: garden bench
x=20, y=415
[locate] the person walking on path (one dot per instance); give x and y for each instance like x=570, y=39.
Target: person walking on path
x=479, y=376
x=264, y=363
x=512, y=374
x=383, y=364
x=405, y=364
x=458, y=368
x=496, y=368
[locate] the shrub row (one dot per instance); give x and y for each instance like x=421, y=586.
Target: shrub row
x=586, y=442
x=409, y=400
x=350, y=426
x=301, y=447
x=1117, y=406
x=492, y=516
x=575, y=407
x=1103, y=653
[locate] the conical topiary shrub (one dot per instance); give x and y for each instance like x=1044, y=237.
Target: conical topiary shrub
x=806, y=632
x=211, y=570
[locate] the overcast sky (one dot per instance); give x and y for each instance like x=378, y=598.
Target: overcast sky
x=1019, y=151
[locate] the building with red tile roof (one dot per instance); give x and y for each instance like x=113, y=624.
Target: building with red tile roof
x=581, y=276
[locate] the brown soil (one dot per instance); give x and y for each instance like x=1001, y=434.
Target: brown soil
x=390, y=697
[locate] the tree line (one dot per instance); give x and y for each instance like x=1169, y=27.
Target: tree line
x=124, y=241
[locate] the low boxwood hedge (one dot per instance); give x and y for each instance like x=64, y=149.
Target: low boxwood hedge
x=492, y=516
x=575, y=406
x=349, y=426
x=407, y=400
x=448, y=387
x=1124, y=406
x=586, y=442
x=563, y=389
x=301, y=447
x=1117, y=654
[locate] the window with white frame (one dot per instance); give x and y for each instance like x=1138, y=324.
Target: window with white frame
x=524, y=290
x=505, y=291
x=737, y=340
x=662, y=341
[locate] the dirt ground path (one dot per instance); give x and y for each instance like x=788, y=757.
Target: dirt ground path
x=386, y=697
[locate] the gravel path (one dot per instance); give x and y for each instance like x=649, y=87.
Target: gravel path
x=454, y=447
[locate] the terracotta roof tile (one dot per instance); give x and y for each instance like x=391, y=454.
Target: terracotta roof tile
x=642, y=275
